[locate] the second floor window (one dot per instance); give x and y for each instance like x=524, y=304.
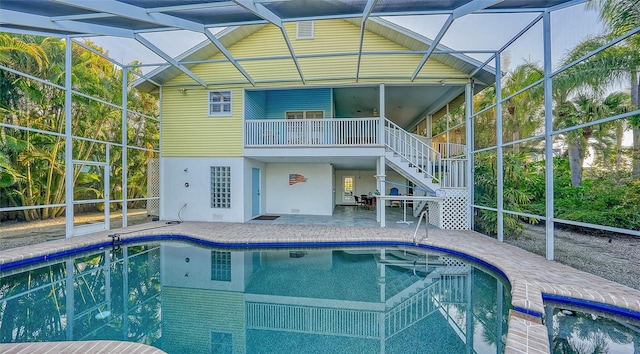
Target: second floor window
x=304, y=114
x=220, y=103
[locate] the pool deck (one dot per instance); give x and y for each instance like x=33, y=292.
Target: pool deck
x=530, y=275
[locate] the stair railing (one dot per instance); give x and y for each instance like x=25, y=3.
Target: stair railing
x=420, y=155
x=424, y=215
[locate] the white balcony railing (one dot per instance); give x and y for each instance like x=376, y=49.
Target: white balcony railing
x=452, y=172
x=415, y=151
x=449, y=149
x=311, y=132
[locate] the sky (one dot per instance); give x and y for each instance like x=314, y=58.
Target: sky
x=473, y=32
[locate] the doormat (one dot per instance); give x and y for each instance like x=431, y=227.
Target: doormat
x=267, y=217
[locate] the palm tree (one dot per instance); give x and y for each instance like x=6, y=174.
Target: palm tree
x=585, y=108
x=39, y=158
x=522, y=113
x=25, y=44
x=578, y=91
x=622, y=16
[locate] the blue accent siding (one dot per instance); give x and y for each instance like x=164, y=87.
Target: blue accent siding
x=255, y=105
x=281, y=101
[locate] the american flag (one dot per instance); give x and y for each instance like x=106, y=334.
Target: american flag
x=296, y=178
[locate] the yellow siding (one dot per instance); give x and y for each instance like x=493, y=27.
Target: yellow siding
x=340, y=67
x=206, y=311
x=331, y=36
x=187, y=129
x=214, y=72
x=272, y=70
x=266, y=42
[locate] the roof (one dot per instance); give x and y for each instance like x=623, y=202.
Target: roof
x=126, y=17
x=410, y=40
x=132, y=18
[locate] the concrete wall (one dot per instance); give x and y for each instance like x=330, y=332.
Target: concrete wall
x=196, y=171
x=313, y=197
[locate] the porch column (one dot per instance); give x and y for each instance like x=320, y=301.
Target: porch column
x=447, y=153
x=380, y=175
x=468, y=112
x=383, y=115
x=380, y=178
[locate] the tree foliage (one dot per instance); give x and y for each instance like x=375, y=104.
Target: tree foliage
x=32, y=163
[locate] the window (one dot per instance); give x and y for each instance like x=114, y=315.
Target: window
x=221, y=187
x=219, y=103
x=304, y=114
x=220, y=265
x=304, y=30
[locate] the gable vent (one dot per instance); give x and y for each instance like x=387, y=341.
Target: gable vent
x=304, y=30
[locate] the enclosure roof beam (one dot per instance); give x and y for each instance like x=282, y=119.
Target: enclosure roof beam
x=140, y=14
x=263, y=12
x=168, y=58
x=474, y=5
x=43, y=22
x=365, y=15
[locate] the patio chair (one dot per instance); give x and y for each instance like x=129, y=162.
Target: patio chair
x=359, y=201
x=394, y=202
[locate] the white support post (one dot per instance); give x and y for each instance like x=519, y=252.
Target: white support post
x=69, y=299
x=468, y=109
x=447, y=153
x=382, y=116
x=469, y=320
x=160, y=160
x=548, y=138
x=125, y=144
x=107, y=190
x=499, y=152
x=380, y=177
x=68, y=146
x=499, y=309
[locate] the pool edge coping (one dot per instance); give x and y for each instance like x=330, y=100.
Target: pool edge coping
x=527, y=296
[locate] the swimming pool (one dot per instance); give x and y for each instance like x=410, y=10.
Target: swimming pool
x=574, y=329
x=183, y=297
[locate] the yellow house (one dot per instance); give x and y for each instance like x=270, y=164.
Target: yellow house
x=299, y=120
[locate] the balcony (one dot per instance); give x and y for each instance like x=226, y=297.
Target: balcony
x=337, y=132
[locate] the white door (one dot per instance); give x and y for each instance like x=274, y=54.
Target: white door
x=348, y=189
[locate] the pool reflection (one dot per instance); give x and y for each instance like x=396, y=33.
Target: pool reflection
x=186, y=298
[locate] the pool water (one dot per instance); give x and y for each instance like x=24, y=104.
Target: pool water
x=578, y=330
x=187, y=298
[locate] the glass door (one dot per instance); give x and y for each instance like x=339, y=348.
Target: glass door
x=348, y=190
